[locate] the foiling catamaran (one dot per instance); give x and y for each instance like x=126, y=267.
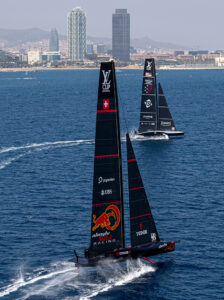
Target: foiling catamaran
x=155, y=118
x=107, y=226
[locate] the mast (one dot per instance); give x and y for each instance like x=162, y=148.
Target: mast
x=107, y=225
x=148, y=114
x=143, y=228
x=165, y=118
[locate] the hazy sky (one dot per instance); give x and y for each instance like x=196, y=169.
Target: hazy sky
x=194, y=23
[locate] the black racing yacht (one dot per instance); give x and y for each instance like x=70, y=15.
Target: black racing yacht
x=107, y=234
x=155, y=116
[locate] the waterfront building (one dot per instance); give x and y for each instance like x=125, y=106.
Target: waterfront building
x=198, y=52
x=23, y=58
x=76, y=34
x=50, y=56
x=121, y=35
x=54, y=41
x=219, y=61
x=101, y=49
x=178, y=52
x=89, y=49
x=34, y=56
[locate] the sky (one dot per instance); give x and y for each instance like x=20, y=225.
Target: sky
x=191, y=23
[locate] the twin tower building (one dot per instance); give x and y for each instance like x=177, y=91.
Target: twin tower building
x=77, y=34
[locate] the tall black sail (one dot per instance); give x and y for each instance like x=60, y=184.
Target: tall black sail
x=143, y=228
x=107, y=226
x=165, y=119
x=148, y=114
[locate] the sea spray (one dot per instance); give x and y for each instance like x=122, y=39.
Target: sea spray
x=113, y=275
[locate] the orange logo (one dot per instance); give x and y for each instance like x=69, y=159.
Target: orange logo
x=111, y=213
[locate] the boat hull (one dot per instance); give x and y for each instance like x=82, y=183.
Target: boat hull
x=160, y=133
x=123, y=254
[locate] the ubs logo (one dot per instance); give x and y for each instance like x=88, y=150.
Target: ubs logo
x=106, y=82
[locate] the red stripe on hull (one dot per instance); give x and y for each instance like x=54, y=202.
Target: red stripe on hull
x=130, y=160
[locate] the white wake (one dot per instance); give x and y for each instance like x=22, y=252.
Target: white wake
x=40, y=145
x=6, y=162
x=43, y=274
x=64, y=278
x=163, y=137
x=36, y=147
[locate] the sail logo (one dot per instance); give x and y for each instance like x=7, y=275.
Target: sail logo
x=142, y=232
x=153, y=237
x=106, y=104
x=148, y=74
x=105, y=180
x=147, y=117
x=106, y=82
x=148, y=103
x=106, y=192
x=148, y=86
x=164, y=123
x=109, y=219
x=149, y=65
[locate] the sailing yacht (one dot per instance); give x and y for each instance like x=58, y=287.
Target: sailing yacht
x=107, y=236
x=155, y=116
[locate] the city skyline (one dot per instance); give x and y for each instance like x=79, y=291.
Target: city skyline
x=191, y=23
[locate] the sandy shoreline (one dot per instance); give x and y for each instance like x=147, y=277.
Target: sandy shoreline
x=40, y=69
x=131, y=67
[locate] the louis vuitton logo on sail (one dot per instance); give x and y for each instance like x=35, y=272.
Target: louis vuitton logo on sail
x=149, y=65
x=106, y=82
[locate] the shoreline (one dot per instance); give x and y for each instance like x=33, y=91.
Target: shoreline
x=131, y=67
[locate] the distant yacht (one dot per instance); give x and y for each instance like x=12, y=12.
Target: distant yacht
x=155, y=119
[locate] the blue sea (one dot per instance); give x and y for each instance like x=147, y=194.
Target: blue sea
x=47, y=131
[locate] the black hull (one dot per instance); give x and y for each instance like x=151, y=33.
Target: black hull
x=123, y=254
x=160, y=133
x=175, y=133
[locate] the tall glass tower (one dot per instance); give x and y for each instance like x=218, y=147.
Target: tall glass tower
x=76, y=34
x=54, y=41
x=121, y=35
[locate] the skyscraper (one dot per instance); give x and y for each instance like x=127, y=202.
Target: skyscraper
x=54, y=43
x=76, y=34
x=121, y=35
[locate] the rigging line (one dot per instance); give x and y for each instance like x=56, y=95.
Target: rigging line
x=125, y=203
x=123, y=111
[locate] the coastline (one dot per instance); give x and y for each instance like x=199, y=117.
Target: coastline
x=130, y=67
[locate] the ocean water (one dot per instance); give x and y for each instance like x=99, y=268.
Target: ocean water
x=47, y=130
